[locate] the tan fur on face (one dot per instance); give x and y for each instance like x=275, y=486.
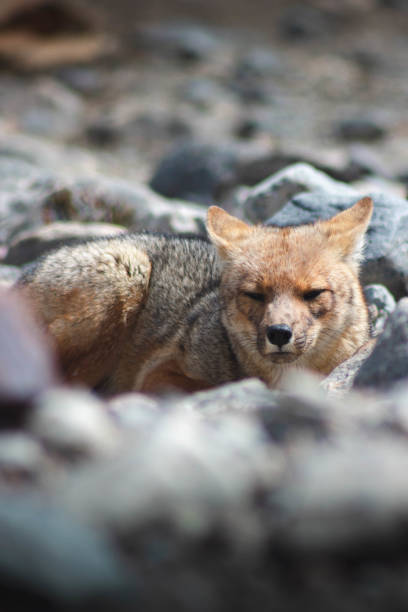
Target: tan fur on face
x=283, y=264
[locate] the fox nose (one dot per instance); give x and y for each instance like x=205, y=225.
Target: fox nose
x=279, y=334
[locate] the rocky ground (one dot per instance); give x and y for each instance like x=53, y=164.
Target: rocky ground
x=241, y=497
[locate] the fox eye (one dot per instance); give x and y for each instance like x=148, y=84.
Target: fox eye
x=258, y=297
x=312, y=294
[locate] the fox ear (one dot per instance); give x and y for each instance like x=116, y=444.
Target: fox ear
x=346, y=230
x=225, y=230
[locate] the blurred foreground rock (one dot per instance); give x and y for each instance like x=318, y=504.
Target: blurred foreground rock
x=27, y=365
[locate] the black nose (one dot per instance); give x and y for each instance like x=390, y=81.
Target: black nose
x=279, y=334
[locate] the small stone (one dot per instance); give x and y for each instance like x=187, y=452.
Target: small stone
x=87, y=81
x=260, y=62
x=74, y=424
x=185, y=41
x=103, y=133
x=300, y=22
x=361, y=129
x=201, y=92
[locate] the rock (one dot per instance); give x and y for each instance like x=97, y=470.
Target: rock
x=187, y=474
x=103, y=132
x=251, y=89
x=120, y=202
x=156, y=127
x=340, y=380
x=260, y=62
x=27, y=180
x=21, y=457
x=194, y=172
x=268, y=197
x=378, y=184
x=383, y=303
x=341, y=500
x=300, y=22
x=28, y=245
x=299, y=416
x=51, y=111
x=388, y=363
x=46, y=556
x=73, y=424
x=361, y=128
x=201, y=92
x=8, y=276
x=260, y=161
x=386, y=254
x=26, y=364
x=184, y=41
x=134, y=411
x=246, y=397
x=85, y=80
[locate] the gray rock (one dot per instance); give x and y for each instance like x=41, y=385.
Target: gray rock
x=186, y=41
x=386, y=254
x=30, y=244
x=345, y=497
x=27, y=203
x=45, y=555
x=381, y=303
x=201, y=92
x=21, y=457
x=340, y=380
x=88, y=81
x=361, y=128
x=300, y=21
x=268, y=197
x=26, y=180
x=195, y=172
x=118, y=201
x=188, y=474
x=246, y=397
x=388, y=363
x=74, y=424
x=8, y=275
x=26, y=363
x=261, y=62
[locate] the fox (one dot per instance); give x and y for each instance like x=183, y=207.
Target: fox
x=156, y=313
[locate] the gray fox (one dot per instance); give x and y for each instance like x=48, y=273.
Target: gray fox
x=153, y=313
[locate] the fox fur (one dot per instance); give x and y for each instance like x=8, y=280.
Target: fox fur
x=152, y=313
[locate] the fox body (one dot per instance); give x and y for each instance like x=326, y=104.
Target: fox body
x=148, y=312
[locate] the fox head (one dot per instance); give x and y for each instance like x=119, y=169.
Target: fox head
x=292, y=294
